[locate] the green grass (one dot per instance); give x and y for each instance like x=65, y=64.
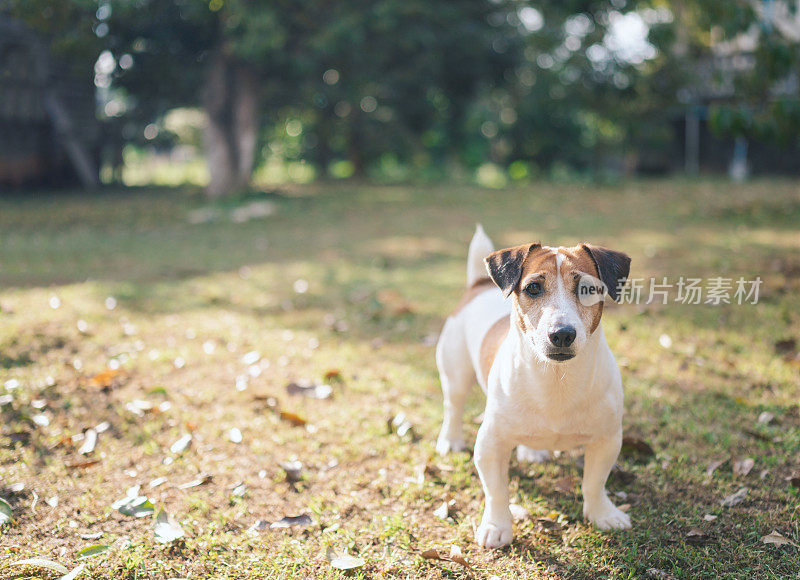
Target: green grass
x=383, y=266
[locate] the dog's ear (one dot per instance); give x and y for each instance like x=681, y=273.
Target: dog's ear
x=612, y=267
x=505, y=266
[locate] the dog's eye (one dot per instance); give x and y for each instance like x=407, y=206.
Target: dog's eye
x=533, y=289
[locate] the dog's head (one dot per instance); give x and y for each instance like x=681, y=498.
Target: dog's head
x=558, y=293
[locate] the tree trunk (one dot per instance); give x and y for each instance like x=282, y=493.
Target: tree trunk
x=231, y=101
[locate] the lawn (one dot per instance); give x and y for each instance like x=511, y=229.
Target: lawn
x=144, y=316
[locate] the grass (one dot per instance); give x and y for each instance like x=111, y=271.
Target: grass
x=112, y=298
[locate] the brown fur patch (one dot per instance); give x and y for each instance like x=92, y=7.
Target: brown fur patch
x=544, y=261
x=478, y=287
x=579, y=259
x=491, y=344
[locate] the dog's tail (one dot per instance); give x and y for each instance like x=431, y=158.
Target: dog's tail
x=480, y=247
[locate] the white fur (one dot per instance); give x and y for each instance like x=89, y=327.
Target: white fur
x=532, y=402
x=480, y=247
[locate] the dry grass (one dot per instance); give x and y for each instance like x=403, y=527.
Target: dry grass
x=383, y=266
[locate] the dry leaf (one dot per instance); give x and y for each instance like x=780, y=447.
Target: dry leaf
x=443, y=511
x=777, y=539
x=201, y=479
x=765, y=418
x=333, y=375
x=343, y=561
x=743, y=466
x=697, y=537
x=293, y=418
x=309, y=390
x=712, y=467
x=105, y=379
x=457, y=557
x=709, y=518
x=166, y=530
x=431, y=554
x=89, y=443
x=291, y=521
x=82, y=464
x=734, y=499
x=181, y=444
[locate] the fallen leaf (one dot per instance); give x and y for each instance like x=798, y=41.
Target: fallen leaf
x=105, y=379
x=734, y=499
x=257, y=527
x=293, y=418
x=181, y=444
x=41, y=563
x=402, y=427
x=291, y=521
x=343, y=561
x=166, y=529
x=765, y=418
x=93, y=536
x=443, y=511
x=457, y=557
x=82, y=464
x=712, y=467
x=6, y=513
x=333, y=375
x=565, y=484
x=156, y=482
x=310, y=390
x=89, y=443
x=137, y=506
x=697, y=537
x=431, y=554
x=74, y=573
x=92, y=551
x=777, y=539
x=709, y=518
x=201, y=479
x=742, y=467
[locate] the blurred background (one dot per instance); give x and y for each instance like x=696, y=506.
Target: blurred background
x=234, y=94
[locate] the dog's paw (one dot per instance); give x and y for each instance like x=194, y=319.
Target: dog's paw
x=445, y=445
x=526, y=454
x=608, y=517
x=491, y=536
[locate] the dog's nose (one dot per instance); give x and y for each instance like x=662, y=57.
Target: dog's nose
x=563, y=336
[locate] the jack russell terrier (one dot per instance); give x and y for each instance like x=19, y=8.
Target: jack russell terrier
x=530, y=333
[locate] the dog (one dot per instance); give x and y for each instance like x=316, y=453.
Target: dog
x=528, y=329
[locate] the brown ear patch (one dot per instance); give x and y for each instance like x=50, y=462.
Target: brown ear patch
x=612, y=267
x=505, y=266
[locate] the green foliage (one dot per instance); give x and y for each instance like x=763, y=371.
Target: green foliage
x=429, y=85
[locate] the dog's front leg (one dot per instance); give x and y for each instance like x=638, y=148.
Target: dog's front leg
x=492, y=454
x=597, y=508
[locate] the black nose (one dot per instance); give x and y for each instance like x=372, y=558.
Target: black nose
x=563, y=336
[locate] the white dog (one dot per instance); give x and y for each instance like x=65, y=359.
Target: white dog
x=530, y=333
